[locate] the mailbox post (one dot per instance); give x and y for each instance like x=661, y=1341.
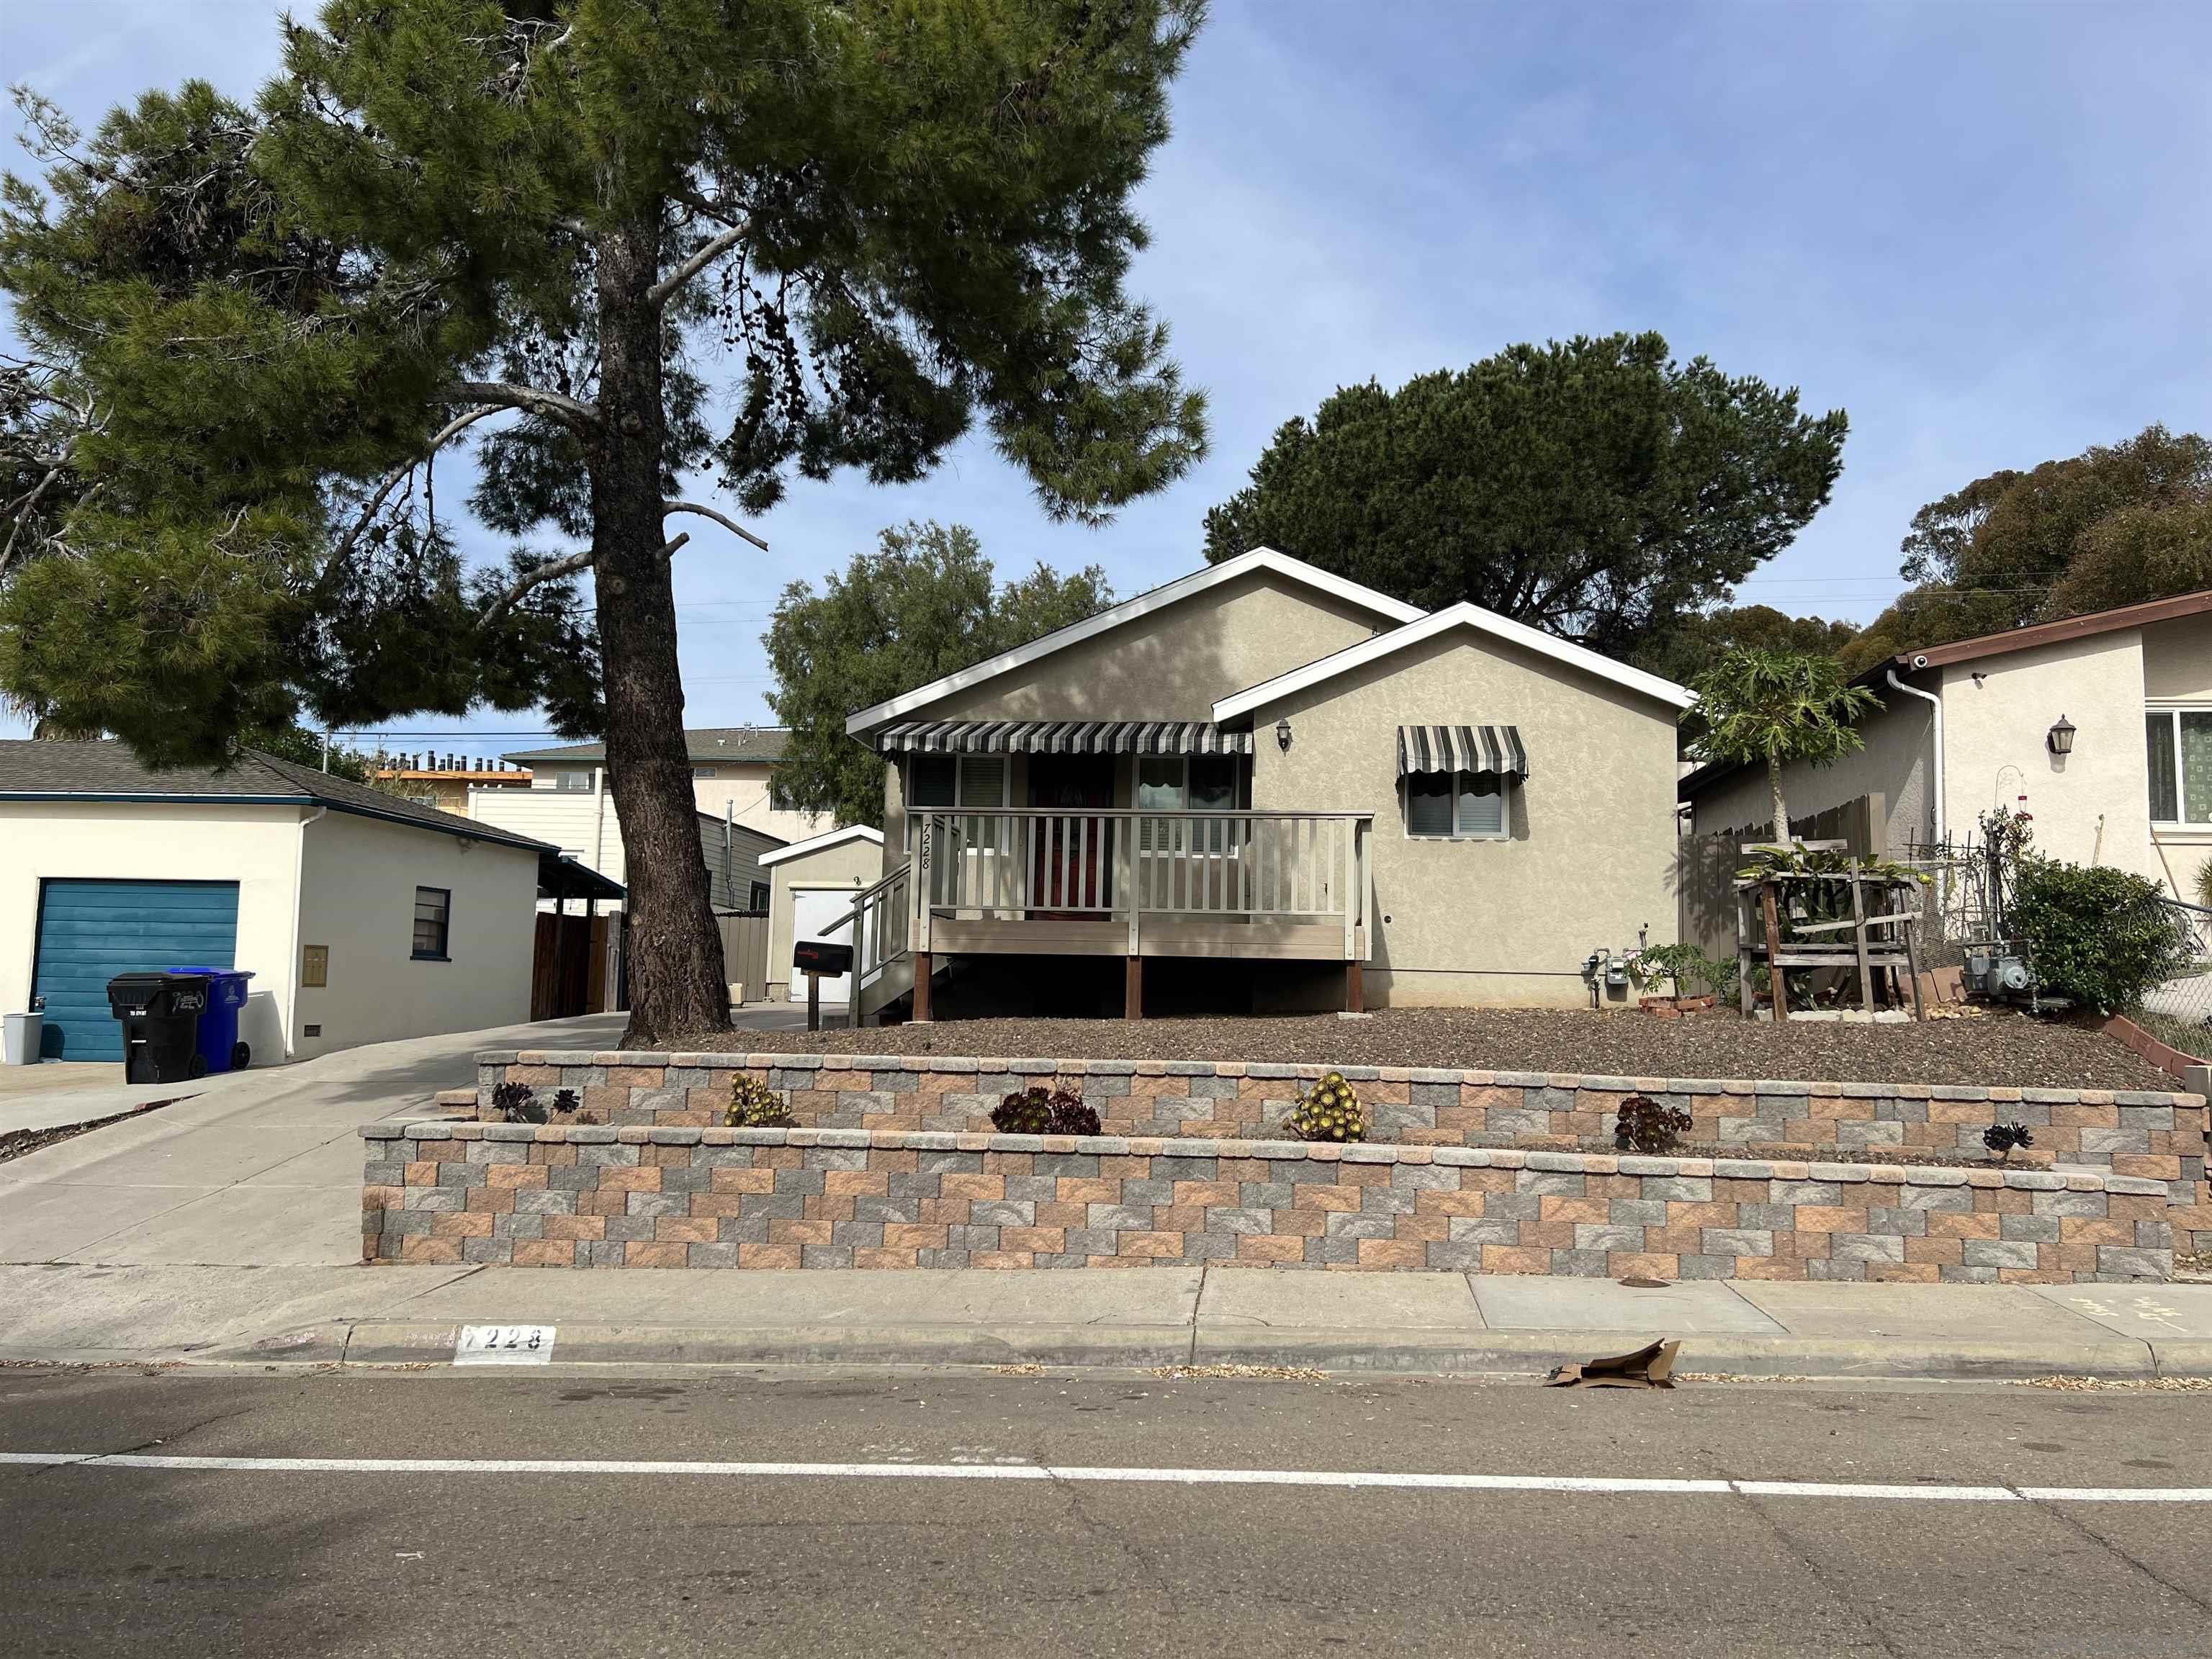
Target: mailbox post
x=815, y=957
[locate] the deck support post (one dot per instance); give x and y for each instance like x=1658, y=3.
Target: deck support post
x=1774, y=976
x=921, y=987
x=1133, y=988
x=1355, y=989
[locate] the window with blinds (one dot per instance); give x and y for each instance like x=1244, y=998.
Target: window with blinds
x=1457, y=806
x=434, y=913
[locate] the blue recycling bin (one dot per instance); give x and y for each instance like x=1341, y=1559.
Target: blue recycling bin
x=218, y=1042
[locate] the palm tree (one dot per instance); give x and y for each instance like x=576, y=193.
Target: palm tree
x=1778, y=707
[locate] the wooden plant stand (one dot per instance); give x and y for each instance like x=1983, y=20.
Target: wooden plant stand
x=1880, y=936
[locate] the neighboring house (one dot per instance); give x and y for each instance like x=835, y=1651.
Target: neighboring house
x=1277, y=775
x=815, y=881
x=444, y=781
x=582, y=824
x=362, y=917
x=733, y=776
x=2099, y=726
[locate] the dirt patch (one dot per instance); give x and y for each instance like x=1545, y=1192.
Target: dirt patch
x=2006, y=1049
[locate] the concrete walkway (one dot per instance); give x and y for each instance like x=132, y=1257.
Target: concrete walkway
x=1351, y=1322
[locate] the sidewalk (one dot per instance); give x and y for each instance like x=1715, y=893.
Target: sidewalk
x=1348, y=1322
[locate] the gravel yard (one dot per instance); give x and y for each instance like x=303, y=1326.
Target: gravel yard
x=2008, y=1050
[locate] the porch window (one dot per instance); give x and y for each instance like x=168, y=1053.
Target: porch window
x=1457, y=806
x=1184, y=783
x=976, y=782
x=2179, y=748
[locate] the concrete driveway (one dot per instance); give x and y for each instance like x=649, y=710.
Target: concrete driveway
x=259, y=1169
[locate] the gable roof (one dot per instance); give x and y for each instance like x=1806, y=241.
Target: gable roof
x=704, y=744
x=2051, y=633
x=1462, y=615
x=821, y=843
x=1259, y=558
x=44, y=769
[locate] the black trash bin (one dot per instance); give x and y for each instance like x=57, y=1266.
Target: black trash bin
x=161, y=1016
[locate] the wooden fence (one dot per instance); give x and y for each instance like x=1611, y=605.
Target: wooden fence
x=744, y=949
x=1705, y=866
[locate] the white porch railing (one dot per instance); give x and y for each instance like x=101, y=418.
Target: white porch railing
x=882, y=921
x=1026, y=864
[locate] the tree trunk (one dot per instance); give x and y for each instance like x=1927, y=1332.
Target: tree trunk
x=677, y=989
x=1781, y=806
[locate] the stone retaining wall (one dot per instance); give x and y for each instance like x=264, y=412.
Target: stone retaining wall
x=675, y=1196
x=2153, y=1135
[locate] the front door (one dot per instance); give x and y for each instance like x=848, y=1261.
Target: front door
x=1074, y=853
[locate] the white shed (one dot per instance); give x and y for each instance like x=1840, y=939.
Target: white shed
x=811, y=883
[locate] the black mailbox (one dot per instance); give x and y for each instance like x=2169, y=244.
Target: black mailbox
x=817, y=956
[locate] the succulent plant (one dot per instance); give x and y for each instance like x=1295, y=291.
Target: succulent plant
x=754, y=1105
x=2002, y=1138
x=1645, y=1125
x=518, y=1102
x=1070, y=1116
x=1329, y=1111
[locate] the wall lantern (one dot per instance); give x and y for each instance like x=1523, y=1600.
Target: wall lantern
x=2061, y=737
x=1283, y=736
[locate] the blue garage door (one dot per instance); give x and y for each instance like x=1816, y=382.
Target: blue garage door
x=91, y=931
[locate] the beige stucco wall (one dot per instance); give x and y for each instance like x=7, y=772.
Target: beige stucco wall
x=256, y=847
x=1591, y=851
x=1895, y=764
x=358, y=898
x=744, y=786
x=855, y=863
x=2092, y=806
x=1174, y=663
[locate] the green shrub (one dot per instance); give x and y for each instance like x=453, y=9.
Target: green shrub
x=754, y=1105
x=2098, y=935
x=1329, y=1111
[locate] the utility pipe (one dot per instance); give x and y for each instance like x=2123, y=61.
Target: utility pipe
x=1935, y=703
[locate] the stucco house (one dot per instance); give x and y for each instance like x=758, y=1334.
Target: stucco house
x=1264, y=780
x=362, y=917
x=2101, y=725
x=733, y=777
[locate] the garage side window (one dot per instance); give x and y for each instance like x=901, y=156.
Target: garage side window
x=434, y=913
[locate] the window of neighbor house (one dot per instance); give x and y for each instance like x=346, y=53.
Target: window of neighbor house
x=2177, y=745
x=433, y=910
x=573, y=783
x=757, y=899
x=702, y=771
x=1457, y=806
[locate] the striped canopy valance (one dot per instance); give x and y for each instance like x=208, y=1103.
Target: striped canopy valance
x=1461, y=749
x=1062, y=737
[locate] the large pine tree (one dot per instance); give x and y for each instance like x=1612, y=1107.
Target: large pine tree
x=610, y=243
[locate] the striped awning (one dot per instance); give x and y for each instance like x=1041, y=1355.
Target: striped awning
x=1461, y=749
x=1062, y=737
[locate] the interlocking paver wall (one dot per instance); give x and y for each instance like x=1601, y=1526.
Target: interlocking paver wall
x=678, y=1196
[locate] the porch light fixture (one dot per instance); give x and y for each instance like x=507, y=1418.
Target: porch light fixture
x=2061, y=737
x=1283, y=736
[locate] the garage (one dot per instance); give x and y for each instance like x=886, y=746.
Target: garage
x=813, y=883
x=91, y=931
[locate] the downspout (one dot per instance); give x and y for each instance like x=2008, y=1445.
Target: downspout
x=292, y=975
x=1935, y=703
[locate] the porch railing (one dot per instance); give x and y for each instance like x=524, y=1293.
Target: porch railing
x=1038, y=862
x=882, y=923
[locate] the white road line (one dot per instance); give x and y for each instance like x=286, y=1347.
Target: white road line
x=1621, y=1485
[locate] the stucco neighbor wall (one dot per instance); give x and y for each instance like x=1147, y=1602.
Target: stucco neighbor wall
x=2091, y=806
x=256, y=847
x=1176, y=663
x=855, y=863
x=1896, y=764
x=1496, y=922
x=359, y=877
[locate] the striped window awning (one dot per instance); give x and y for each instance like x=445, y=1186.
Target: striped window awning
x=1062, y=737
x=1461, y=749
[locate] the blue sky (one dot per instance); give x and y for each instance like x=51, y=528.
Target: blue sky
x=1978, y=228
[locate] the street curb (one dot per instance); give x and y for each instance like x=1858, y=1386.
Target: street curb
x=393, y=1342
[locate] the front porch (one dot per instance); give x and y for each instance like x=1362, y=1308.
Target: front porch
x=1244, y=885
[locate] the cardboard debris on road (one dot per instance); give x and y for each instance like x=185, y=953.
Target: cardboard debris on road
x=1651, y=1367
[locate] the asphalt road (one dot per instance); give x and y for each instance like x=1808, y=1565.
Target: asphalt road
x=254, y=1561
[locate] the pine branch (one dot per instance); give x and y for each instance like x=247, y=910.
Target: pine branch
x=572, y=412
x=538, y=576
x=727, y=522
x=391, y=480
x=666, y=289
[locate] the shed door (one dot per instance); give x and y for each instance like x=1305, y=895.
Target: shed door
x=91, y=931
x=810, y=912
